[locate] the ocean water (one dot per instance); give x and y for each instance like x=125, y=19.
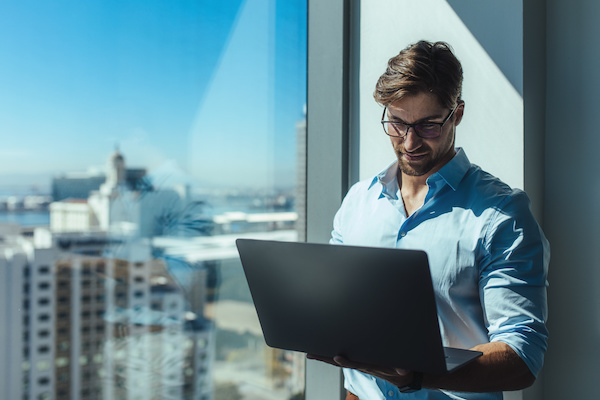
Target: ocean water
x=26, y=218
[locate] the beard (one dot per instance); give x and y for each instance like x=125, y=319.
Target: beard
x=419, y=168
x=425, y=165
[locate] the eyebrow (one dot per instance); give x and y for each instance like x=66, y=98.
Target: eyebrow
x=419, y=121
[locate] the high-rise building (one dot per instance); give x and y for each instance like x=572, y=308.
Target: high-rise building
x=87, y=317
x=28, y=315
x=14, y=313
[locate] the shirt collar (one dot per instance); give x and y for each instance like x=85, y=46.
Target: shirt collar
x=387, y=176
x=452, y=173
x=456, y=169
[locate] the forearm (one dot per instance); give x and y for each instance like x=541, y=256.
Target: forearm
x=498, y=369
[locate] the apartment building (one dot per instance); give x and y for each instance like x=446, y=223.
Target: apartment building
x=82, y=325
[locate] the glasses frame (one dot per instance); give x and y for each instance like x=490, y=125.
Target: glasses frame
x=414, y=126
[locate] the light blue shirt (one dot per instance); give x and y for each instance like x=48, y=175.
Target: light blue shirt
x=488, y=259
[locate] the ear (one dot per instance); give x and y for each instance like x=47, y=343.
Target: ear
x=458, y=114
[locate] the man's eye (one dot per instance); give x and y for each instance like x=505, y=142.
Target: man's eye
x=427, y=127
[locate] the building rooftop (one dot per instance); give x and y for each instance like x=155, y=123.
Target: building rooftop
x=218, y=247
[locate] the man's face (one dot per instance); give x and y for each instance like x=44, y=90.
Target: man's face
x=418, y=156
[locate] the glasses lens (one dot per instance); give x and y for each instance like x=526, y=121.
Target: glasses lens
x=428, y=131
x=394, y=129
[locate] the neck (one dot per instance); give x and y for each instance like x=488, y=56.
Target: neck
x=412, y=184
x=413, y=190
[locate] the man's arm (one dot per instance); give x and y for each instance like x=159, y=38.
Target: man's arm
x=498, y=369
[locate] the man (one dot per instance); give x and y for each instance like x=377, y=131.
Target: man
x=488, y=256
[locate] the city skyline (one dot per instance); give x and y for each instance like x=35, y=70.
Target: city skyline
x=156, y=81
x=141, y=138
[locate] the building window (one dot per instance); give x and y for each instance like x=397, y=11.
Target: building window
x=43, y=381
x=43, y=301
x=43, y=270
x=43, y=317
x=42, y=366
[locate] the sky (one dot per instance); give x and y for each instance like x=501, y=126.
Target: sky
x=199, y=89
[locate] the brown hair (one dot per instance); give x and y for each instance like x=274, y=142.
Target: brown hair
x=422, y=67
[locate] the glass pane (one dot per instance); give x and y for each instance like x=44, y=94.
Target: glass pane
x=140, y=139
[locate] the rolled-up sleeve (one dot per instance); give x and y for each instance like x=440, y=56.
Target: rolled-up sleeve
x=513, y=281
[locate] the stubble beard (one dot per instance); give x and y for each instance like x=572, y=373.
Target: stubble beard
x=412, y=169
x=418, y=168
x=425, y=165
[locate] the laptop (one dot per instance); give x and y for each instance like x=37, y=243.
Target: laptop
x=370, y=305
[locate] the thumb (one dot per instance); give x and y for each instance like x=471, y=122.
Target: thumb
x=402, y=372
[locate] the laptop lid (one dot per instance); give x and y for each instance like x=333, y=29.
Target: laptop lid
x=371, y=305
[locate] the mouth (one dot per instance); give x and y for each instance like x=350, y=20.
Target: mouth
x=413, y=157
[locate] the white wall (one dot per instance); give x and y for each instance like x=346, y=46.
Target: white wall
x=562, y=121
x=487, y=37
x=492, y=129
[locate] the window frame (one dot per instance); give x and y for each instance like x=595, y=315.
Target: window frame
x=332, y=139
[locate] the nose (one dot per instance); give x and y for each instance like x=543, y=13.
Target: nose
x=412, y=141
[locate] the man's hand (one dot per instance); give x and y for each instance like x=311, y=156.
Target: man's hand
x=498, y=369
x=396, y=376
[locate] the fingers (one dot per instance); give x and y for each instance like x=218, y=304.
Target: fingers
x=341, y=361
x=344, y=362
x=402, y=372
x=327, y=360
x=371, y=369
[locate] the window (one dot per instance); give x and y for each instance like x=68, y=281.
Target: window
x=43, y=301
x=43, y=317
x=42, y=366
x=43, y=270
x=156, y=136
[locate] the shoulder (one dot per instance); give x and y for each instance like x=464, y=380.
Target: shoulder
x=361, y=192
x=363, y=187
x=509, y=219
x=373, y=187
x=491, y=191
x=472, y=184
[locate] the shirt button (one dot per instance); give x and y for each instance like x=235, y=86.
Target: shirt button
x=402, y=233
x=391, y=393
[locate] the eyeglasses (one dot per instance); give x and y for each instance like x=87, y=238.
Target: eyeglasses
x=425, y=130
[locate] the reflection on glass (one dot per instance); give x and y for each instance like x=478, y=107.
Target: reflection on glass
x=123, y=281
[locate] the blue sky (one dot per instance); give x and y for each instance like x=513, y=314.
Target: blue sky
x=210, y=88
